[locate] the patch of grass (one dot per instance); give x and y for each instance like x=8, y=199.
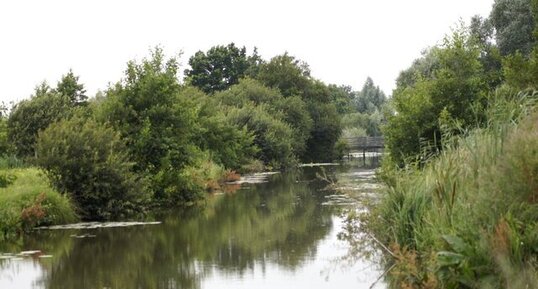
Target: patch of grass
x=30, y=201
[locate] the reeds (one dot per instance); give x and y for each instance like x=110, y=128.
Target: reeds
x=469, y=216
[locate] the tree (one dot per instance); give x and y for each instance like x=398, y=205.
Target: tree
x=281, y=129
x=370, y=98
x=422, y=67
x=229, y=145
x=521, y=71
x=89, y=162
x=482, y=32
x=159, y=126
x=292, y=78
x=454, y=95
x=342, y=97
x=219, y=68
x=69, y=86
x=514, y=25
x=31, y=116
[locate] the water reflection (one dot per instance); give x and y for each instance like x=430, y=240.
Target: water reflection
x=250, y=235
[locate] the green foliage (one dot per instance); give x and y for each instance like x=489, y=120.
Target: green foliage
x=31, y=116
x=455, y=93
x=292, y=78
x=157, y=123
x=521, y=73
x=291, y=111
x=70, y=87
x=469, y=214
x=289, y=75
x=421, y=68
x=342, y=97
x=228, y=144
x=6, y=180
x=5, y=145
x=219, y=68
x=364, y=117
x=370, y=98
x=88, y=162
x=30, y=190
x=514, y=25
x=258, y=109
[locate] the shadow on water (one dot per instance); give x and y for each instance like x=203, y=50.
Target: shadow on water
x=278, y=226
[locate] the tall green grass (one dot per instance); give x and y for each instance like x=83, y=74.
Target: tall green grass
x=30, y=201
x=468, y=218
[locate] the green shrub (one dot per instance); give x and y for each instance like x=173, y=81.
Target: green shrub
x=30, y=201
x=88, y=161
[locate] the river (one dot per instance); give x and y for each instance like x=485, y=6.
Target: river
x=281, y=232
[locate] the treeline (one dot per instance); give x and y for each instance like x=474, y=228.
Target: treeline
x=154, y=138
x=460, y=208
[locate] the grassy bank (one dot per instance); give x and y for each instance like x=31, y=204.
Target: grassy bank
x=469, y=217
x=30, y=201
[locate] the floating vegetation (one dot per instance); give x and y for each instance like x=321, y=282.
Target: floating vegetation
x=96, y=225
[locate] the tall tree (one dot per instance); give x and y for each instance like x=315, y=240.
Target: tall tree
x=514, y=26
x=370, y=98
x=29, y=117
x=69, y=86
x=219, y=68
x=292, y=77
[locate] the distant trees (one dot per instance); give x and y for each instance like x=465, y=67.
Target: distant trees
x=364, y=115
x=370, y=98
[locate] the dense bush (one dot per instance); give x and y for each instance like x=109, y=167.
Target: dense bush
x=278, y=124
x=30, y=201
x=89, y=162
x=453, y=94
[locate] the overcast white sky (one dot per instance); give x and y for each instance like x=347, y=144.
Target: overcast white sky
x=344, y=41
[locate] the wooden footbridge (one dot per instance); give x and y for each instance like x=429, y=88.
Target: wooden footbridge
x=366, y=144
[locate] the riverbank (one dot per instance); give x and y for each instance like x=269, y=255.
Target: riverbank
x=469, y=217
x=30, y=201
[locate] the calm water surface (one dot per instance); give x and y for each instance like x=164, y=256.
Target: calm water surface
x=279, y=234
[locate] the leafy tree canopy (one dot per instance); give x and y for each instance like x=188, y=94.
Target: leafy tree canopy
x=220, y=67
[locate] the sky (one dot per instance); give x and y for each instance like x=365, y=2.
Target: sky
x=343, y=41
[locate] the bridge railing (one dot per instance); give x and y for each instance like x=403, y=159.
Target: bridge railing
x=367, y=142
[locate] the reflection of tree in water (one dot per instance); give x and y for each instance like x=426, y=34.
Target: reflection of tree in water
x=276, y=223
